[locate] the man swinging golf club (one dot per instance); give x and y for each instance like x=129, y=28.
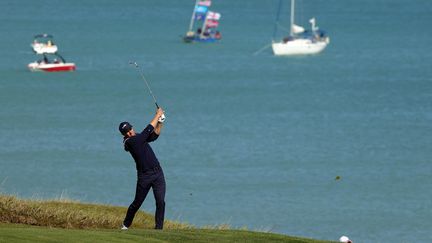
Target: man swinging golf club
x=149, y=171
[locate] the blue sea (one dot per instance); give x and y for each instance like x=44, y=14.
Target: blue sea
x=338, y=143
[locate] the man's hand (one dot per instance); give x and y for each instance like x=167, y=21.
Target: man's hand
x=161, y=118
x=159, y=113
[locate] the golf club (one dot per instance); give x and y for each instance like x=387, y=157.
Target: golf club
x=162, y=118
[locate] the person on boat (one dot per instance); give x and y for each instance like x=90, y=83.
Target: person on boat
x=190, y=34
x=288, y=38
x=49, y=43
x=149, y=171
x=218, y=35
x=207, y=32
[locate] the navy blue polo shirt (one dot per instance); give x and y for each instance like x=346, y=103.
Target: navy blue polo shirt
x=138, y=146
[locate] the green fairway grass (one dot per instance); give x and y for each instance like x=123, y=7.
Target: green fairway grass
x=26, y=233
x=67, y=221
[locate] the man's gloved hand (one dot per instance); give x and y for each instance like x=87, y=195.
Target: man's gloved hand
x=161, y=118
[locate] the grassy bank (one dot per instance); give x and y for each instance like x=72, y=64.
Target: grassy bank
x=66, y=221
x=72, y=215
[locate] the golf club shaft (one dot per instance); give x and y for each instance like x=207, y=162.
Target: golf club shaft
x=148, y=86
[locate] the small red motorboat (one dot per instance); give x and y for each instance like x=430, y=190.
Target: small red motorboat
x=52, y=63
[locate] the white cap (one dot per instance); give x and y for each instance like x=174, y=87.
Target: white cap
x=344, y=239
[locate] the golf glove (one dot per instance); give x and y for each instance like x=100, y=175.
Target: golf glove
x=161, y=118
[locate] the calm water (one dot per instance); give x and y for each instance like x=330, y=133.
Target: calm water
x=250, y=140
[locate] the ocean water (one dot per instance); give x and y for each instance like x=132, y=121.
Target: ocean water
x=250, y=140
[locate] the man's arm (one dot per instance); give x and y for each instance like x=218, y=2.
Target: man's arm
x=155, y=134
x=147, y=135
x=154, y=122
x=158, y=128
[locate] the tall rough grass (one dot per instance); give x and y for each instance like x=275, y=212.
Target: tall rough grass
x=70, y=214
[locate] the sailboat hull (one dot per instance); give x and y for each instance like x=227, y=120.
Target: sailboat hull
x=299, y=47
x=194, y=38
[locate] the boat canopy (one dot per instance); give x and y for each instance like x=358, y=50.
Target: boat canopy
x=43, y=36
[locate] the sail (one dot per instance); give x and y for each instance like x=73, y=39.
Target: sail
x=297, y=29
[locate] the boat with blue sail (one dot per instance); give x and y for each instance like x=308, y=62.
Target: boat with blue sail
x=203, y=25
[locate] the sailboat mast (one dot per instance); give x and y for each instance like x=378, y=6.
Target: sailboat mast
x=203, y=29
x=277, y=19
x=193, y=16
x=292, y=17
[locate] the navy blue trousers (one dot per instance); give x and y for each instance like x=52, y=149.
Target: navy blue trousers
x=151, y=179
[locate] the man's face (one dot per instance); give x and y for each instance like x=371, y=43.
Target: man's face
x=131, y=133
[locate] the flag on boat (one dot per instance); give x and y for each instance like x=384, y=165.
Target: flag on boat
x=212, y=23
x=313, y=23
x=204, y=3
x=213, y=15
x=201, y=9
x=200, y=12
x=200, y=16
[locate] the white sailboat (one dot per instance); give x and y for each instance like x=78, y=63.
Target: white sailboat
x=300, y=41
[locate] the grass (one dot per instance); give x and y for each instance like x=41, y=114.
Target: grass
x=72, y=215
x=67, y=221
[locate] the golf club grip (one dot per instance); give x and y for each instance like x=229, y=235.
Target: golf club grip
x=157, y=106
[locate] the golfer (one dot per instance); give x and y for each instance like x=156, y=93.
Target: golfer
x=149, y=171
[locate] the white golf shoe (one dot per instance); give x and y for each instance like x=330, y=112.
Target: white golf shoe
x=124, y=227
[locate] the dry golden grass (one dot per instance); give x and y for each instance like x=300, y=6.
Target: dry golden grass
x=70, y=214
